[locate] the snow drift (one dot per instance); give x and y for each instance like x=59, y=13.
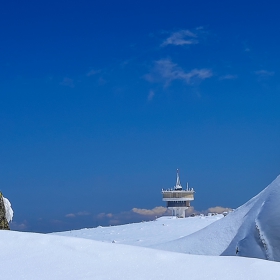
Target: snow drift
x=252, y=230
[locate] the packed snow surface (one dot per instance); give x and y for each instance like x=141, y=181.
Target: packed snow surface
x=146, y=234
x=39, y=256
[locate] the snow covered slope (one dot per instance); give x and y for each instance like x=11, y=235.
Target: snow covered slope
x=145, y=234
x=37, y=256
x=252, y=230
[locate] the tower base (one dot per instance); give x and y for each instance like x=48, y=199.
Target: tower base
x=179, y=212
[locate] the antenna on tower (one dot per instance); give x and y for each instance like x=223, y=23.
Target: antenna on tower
x=178, y=183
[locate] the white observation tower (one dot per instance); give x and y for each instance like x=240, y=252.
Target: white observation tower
x=177, y=199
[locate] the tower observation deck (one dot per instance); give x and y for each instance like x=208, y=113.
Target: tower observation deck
x=177, y=199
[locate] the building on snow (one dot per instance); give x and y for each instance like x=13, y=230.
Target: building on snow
x=177, y=199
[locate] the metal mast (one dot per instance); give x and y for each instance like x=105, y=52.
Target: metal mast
x=178, y=183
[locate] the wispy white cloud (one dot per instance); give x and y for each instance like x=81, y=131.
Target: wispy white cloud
x=67, y=82
x=104, y=215
x=157, y=211
x=70, y=215
x=166, y=71
x=74, y=215
x=219, y=209
x=134, y=215
x=228, y=77
x=151, y=95
x=19, y=225
x=92, y=72
x=264, y=73
x=180, y=38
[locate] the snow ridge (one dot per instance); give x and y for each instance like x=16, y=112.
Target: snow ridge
x=252, y=230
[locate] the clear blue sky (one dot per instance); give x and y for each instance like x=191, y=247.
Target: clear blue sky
x=101, y=102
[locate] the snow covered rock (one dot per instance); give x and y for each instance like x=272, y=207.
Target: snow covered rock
x=3, y=219
x=8, y=209
x=252, y=230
